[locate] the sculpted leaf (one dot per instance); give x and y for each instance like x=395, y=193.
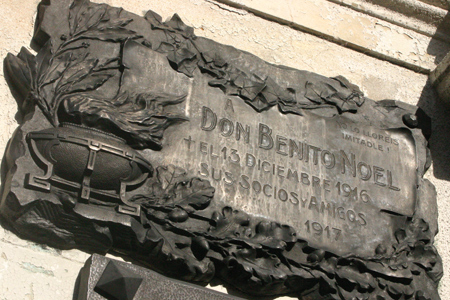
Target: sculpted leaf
x=90, y=18
x=91, y=83
x=171, y=248
x=76, y=9
x=197, y=193
x=114, y=23
x=230, y=223
x=44, y=61
x=168, y=176
x=55, y=71
x=117, y=34
x=75, y=72
x=140, y=119
x=18, y=70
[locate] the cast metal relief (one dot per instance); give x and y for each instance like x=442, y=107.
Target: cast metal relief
x=199, y=160
x=102, y=278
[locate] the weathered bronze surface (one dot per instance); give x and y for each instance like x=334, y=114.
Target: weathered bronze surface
x=332, y=179
x=200, y=161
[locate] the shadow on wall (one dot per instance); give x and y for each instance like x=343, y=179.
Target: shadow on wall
x=439, y=142
x=435, y=47
x=439, y=112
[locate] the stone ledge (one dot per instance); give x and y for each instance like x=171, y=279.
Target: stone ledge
x=440, y=79
x=419, y=10
x=415, y=15
x=352, y=29
x=439, y=3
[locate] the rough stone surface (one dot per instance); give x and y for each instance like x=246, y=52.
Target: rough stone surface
x=356, y=29
x=30, y=271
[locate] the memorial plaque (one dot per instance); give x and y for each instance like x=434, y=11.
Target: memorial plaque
x=199, y=160
x=332, y=179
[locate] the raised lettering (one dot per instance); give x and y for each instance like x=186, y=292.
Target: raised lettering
x=364, y=171
x=204, y=170
x=250, y=160
x=228, y=179
x=295, y=200
x=209, y=119
x=295, y=149
x=245, y=182
x=315, y=151
x=246, y=132
x=226, y=127
x=265, y=190
x=292, y=174
x=229, y=105
x=389, y=180
x=328, y=159
x=329, y=207
x=377, y=174
x=350, y=162
x=281, y=144
x=313, y=204
x=265, y=139
x=203, y=147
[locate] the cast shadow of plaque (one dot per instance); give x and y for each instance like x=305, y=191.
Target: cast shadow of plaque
x=436, y=47
x=439, y=125
x=438, y=110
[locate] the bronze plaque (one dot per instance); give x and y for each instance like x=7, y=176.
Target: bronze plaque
x=202, y=161
x=340, y=184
